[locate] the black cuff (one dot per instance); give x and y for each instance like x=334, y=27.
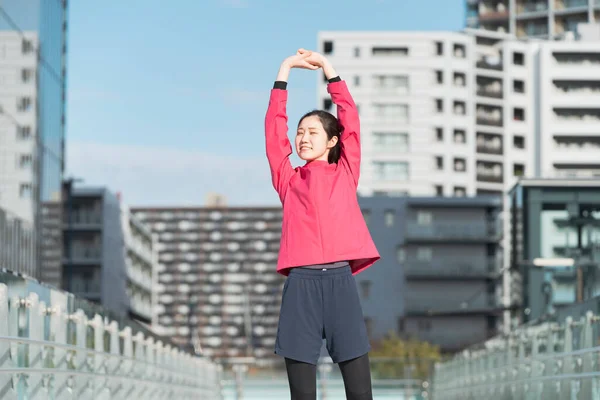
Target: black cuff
x=335, y=79
x=280, y=85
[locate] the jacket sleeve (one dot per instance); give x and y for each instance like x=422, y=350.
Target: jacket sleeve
x=350, y=124
x=278, y=145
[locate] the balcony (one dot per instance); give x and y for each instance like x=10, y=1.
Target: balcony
x=484, y=304
x=487, y=91
x=450, y=269
x=489, y=120
x=570, y=5
x=458, y=231
x=538, y=7
x=489, y=64
x=83, y=220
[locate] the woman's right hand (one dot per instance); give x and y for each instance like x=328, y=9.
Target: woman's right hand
x=300, y=61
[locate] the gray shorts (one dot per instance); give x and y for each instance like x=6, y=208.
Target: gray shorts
x=321, y=304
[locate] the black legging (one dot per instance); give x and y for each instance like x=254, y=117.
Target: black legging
x=356, y=374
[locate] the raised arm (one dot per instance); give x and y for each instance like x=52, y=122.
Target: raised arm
x=347, y=115
x=278, y=146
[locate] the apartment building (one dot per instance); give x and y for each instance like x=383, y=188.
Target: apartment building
x=109, y=256
x=544, y=19
x=438, y=277
x=218, y=289
x=530, y=108
x=413, y=91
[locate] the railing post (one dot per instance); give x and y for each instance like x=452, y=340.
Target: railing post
x=587, y=342
x=81, y=384
x=101, y=384
x=112, y=363
x=58, y=325
x=568, y=363
x=140, y=368
x=127, y=366
x=6, y=359
x=35, y=331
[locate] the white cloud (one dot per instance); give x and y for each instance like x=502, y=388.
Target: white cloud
x=148, y=175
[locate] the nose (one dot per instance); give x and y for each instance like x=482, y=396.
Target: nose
x=304, y=138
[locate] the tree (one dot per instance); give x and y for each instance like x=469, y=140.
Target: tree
x=395, y=358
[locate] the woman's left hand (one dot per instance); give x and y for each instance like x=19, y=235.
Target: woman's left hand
x=316, y=59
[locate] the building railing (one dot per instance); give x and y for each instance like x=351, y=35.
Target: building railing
x=547, y=361
x=49, y=349
x=451, y=267
x=453, y=231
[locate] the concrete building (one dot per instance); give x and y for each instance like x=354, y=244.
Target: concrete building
x=109, y=255
x=218, y=289
x=522, y=99
x=546, y=19
x=554, y=245
x=17, y=239
x=437, y=279
x=413, y=90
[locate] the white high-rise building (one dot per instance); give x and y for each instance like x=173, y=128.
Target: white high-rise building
x=413, y=90
x=469, y=112
x=531, y=18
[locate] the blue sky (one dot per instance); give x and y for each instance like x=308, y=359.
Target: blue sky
x=166, y=104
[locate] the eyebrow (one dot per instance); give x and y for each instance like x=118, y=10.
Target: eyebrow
x=310, y=127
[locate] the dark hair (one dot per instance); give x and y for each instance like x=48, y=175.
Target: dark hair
x=332, y=128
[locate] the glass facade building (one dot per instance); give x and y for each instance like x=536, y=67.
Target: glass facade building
x=33, y=34
x=48, y=19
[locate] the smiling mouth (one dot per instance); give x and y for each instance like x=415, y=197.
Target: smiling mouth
x=305, y=148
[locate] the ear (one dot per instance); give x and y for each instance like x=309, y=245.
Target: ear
x=332, y=142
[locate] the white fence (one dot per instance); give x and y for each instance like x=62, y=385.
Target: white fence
x=550, y=361
x=48, y=353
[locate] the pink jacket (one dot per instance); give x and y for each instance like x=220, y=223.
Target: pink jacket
x=322, y=221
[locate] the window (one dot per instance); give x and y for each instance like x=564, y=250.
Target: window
x=397, y=83
x=460, y=51
x=519, y=114
x=424, y=325
x=518, y=142
x=439, y=105
x=424, y=253
x=356, y=80
x=439, y=134
x=439, y=190
x=401, y=326
x=400, y=254
x=460, y=108
x=24, y=104
x=390, y=170
x=25, y=161
x=389, y=217
x=518, y=86
x=26, y=46
x=327, y=104
x=439, y=77
x=460, y=191
x=23, y=132
x=518, y=170
x=518, y=58
x=390, y=51
x=459, y=136
x=365, y=288
x=460, y=165
x=398, y=112
x=357, y=52
x=439, y=48
x=25, y=190
x=424, y=218
x=397, y=142
x=439, y=162
x=26, y=75
x=328, y=47
x=460, y=79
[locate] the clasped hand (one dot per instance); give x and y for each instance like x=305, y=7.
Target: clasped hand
x=305, y=59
